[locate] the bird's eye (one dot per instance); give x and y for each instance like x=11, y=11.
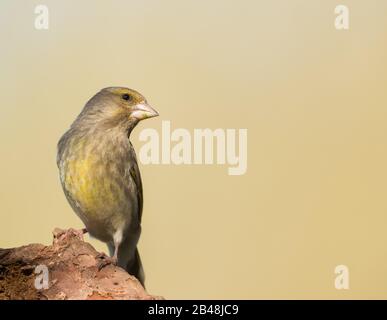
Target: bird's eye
x=127, y=97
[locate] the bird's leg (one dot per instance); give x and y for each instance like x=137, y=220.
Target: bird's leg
x=69, y=233
x=80, y=233
x=106, y=260
x=115, y=255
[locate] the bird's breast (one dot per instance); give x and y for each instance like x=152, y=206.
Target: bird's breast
x=96, y=179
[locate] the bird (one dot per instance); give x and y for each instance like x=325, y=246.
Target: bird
x=100, y=175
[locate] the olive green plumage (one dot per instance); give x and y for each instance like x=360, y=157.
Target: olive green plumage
x=100, y=175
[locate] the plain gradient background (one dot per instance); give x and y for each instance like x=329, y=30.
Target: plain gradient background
x=312, y=98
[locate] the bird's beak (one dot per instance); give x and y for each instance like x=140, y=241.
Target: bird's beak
x=143, y=111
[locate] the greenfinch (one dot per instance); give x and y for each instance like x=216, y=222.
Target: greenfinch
x=100, y=175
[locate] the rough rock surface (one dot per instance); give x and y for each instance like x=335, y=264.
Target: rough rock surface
x=73, y=272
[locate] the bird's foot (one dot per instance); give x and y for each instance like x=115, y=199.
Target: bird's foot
x=80, y=233
x=104, y=260
x=63, y=235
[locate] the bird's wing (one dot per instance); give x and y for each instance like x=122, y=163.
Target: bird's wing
x=135, y=174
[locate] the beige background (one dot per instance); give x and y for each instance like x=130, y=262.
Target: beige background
x=312, y=98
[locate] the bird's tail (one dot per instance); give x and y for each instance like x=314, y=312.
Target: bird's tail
x=134, y=267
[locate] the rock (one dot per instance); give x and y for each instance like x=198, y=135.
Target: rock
x=71, y=267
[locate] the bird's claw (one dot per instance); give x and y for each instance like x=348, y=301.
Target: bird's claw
x=104, y=260
x=80, y=233
x=62, y=235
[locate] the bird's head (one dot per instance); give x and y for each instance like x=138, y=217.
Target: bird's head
x=130, y=103
x=117, y=105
